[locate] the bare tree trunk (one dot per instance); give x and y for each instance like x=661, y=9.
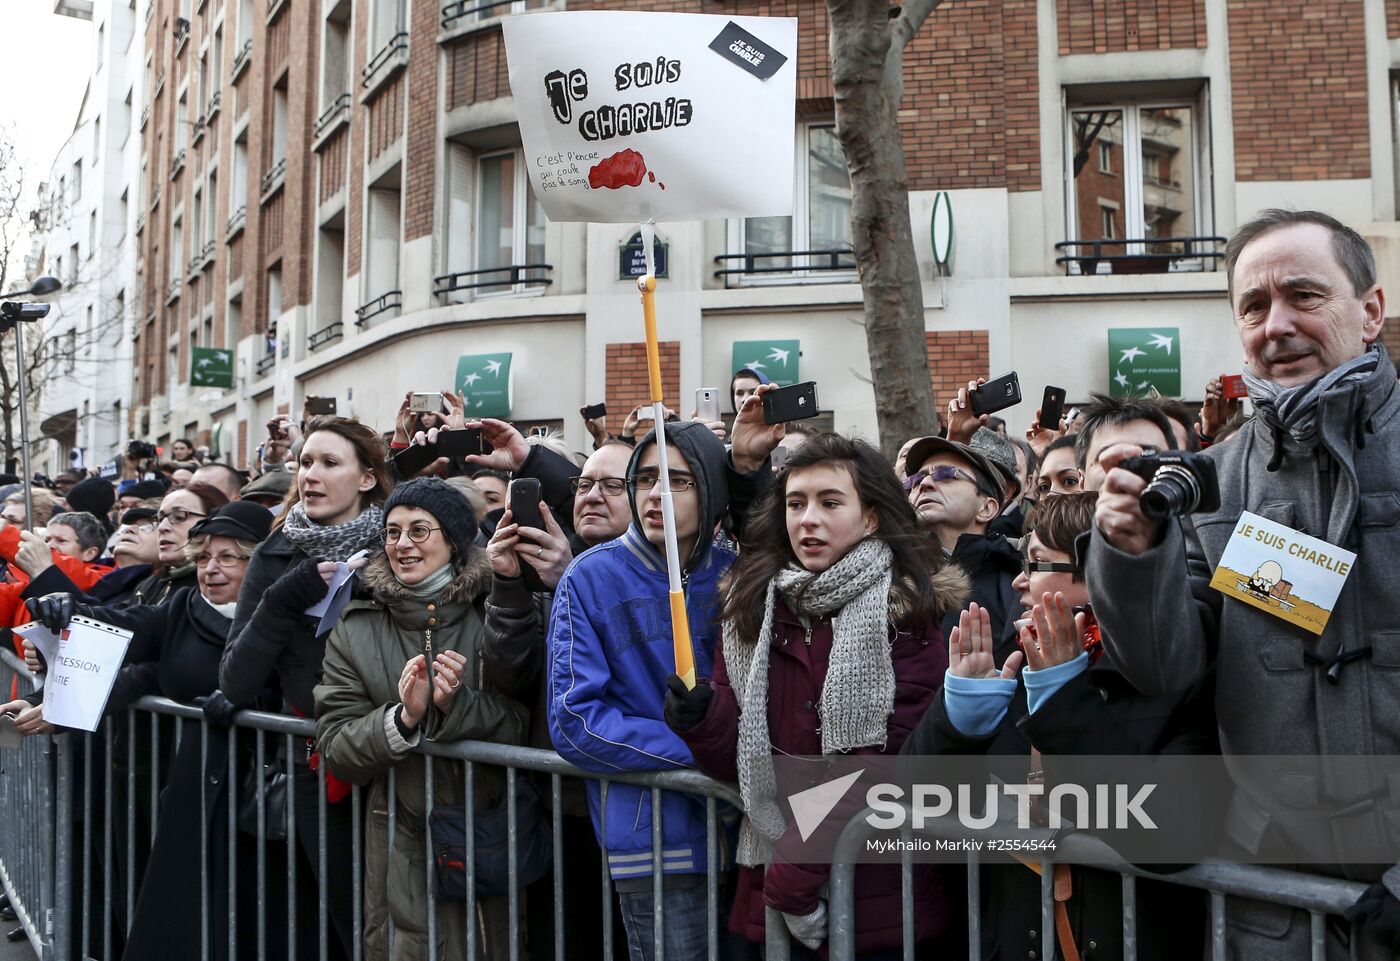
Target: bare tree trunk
x=867, y=59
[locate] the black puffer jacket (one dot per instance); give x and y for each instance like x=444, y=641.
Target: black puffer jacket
x=992, y=563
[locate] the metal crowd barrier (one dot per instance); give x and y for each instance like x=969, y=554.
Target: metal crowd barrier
x=1317, y=895
x=58, y=857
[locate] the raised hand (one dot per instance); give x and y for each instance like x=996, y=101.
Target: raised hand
x=1059, y=633
x=970, y=648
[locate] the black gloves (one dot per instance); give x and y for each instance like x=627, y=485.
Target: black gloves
x=218, y=710
x=1379, y=914
x=54, y=611
x=299, y=588
x=684, y=707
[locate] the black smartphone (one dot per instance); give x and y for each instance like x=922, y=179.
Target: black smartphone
x=797, y=402
x=461, y=442
x=320, y=406
x=523, y=496
x=1052, y=408
x=409, y=461
x=996, y=395
x=524, y=500
x=595, y=411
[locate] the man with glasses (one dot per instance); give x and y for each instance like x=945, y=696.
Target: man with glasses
x=134, y=551
x=957, y=494
x=611, y=653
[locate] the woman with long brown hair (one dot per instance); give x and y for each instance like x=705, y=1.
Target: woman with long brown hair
x=333, y=512
x=831, y=646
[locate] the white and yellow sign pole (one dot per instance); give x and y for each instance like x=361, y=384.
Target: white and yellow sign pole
x=680, y=623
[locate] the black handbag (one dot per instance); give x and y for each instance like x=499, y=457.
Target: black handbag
x=271, y=783
x=534, y=849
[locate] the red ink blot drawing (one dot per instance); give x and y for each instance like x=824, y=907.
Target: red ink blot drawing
x=651, y=176
x=623, y=169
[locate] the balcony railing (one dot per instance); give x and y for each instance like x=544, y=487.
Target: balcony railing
x=325, y=335
x=452, y=13
x=145, y=115
x=206, y=254
x=274, y=177
x=215, y=102
x=266, y=364
x=140, y=223
x=522, y=275
x=835, y=260
x=274, y=7
x=178, y=163
x=182, y=33
x=155, y=195
x=377, y=306
x=330, y=118
x=241, y=59
x=195, y=265
x=1141, y=255
x=236, y=221
x=199, y=124
x=397, y=47
x=173, y=290
x=160, y=84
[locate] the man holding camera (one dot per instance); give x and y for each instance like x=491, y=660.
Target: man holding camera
x=1322, y=457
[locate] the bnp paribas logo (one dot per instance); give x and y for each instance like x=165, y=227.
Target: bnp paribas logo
x=1143, y=361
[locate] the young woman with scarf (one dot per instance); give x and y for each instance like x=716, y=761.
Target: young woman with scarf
x=333, y=512
x=831, y=646
x=405, y=664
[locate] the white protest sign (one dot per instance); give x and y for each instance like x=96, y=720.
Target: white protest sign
x=82, y=669
x=630, y=117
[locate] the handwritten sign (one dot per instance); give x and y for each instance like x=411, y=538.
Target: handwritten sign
x=1289, y=574
x=83, y=661
x=629, y=117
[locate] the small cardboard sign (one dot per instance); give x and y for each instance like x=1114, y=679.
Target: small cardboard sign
x=1289, y=574
x=83, y=661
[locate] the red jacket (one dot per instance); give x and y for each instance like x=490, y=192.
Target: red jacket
x=13, y=613
x=796, y=673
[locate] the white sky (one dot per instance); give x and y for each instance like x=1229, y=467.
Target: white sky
x=46, y=65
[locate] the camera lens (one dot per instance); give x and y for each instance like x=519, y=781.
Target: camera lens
x=1174, y=492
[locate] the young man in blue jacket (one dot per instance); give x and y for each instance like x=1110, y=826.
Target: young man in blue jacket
x=610, y=655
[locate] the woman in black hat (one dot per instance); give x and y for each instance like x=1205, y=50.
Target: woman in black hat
x=174, y=652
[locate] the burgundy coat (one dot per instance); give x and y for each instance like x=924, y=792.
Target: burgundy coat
x=796, y=672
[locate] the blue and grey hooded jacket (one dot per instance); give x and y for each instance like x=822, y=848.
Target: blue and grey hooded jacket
x=610, y=652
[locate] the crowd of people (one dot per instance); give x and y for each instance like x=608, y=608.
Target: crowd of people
x=983, y=594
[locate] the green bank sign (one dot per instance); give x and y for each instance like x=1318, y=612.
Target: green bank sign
x=211, y=367
x=777, y=360
x=1143, y=360
x=483, y=380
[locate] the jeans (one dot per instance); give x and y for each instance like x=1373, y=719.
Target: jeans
x=684, y=919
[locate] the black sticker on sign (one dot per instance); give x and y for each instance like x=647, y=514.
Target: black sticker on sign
x=737, y=44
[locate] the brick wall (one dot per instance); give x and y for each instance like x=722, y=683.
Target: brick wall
x=970, y=80
x=954, y=358
x=628, y=385
x=1114, y=26
x=333, y=153
x=386, y=116
x=354, y=204
x=1392, y=18
x=242, y=454
x=1298, y=81
x=421, y=147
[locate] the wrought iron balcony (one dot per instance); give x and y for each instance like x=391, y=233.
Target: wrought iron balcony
x=377, y=306
x=273, y=178
x=334, y=114
x=325, y=335
x=521, y=275
x=395, y=49
x=241, y=59
x=1141, y=255
x=835, y=260
x=237, y=220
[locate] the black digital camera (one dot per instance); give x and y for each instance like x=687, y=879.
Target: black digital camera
x=1179, y=483
x=140, y=450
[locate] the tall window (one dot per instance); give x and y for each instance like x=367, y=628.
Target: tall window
x=216, y=64
x=238, y=186
x=182, y=121
x=211, y=229
x=92, y=233
x=96, y=140
x=197, y=224
x=330, y=271
x=1134, y=177
x=390, y=19
x=335, y=55
x=510, y=221
x=279, y=124
x=821, y=220
x=274, y=305
x=245, y=21
x=177, y=246
x=75, y=183
x=72, y=265
x=382, y=253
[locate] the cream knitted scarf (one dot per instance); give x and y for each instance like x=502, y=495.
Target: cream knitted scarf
x=857, y=698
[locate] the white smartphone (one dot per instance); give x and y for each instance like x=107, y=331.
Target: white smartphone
x=646, y=412
x=707, y=404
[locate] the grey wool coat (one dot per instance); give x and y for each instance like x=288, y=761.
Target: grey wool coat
x=1279, y=688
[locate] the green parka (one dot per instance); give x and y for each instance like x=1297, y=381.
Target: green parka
x=365, y=656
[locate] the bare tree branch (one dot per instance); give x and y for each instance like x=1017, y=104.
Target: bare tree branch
x=912, y=18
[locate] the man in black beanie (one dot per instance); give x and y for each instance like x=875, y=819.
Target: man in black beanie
x=96, y=496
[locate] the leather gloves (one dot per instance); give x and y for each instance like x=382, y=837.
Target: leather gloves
x=685, y=708
x=218, y=710
x=54, y=611
x=1379, y=914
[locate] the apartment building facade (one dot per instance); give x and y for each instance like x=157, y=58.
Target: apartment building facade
x=81, y=398
x=334, y=191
